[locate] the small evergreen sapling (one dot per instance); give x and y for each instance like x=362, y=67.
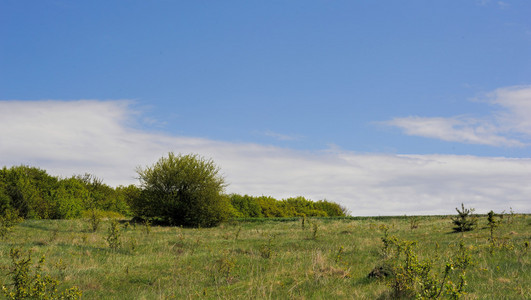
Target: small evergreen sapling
x=492, y=224
x=465, y=220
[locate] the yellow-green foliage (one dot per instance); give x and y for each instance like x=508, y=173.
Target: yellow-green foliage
x=30, y=282
x=37, y=195
x=8, y=219
x=258, y=207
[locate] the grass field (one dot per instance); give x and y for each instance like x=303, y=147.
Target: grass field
x=325, y=259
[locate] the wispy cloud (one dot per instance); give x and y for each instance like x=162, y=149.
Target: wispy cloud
x=502, y=4
x=508, y=125
x=482, y=2
x=281, y=137
x=74, y=137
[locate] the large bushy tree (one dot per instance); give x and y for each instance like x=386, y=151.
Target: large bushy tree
x=183, y=190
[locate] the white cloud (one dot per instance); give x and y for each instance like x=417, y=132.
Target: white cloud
x=516, y=109
x=508, y=126
x=455, y=129
x=74, y=137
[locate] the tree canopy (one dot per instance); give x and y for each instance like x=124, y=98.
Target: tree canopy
x=183, y=190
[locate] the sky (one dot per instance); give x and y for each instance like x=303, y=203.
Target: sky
x=385, y=107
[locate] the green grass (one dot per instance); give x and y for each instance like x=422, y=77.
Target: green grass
x=265, y=259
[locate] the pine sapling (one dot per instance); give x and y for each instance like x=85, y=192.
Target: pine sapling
x=465, y=220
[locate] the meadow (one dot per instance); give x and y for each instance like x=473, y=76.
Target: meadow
x=314, y=258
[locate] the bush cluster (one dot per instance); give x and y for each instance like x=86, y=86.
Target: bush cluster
x=33, y=193
x=246, y=206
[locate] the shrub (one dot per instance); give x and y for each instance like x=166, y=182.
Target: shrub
x=114, y=234
x=183, y=190
x=69, y=197
x=128, y=195
x=94, y=219
x=28, y=191
x=412, y=277
x=332, y=209
x=30, y=282
x=101, y=196
x=271, y=208
x=492, y=223
x=246, y=206
x=8, y=219
x=259, y=207
x=465, y=220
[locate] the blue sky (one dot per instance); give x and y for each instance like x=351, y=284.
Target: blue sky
x=330, y=88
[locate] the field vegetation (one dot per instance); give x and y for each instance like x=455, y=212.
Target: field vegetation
x=297, y=258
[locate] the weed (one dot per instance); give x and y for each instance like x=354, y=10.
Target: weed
x=30, y=282
x=388, y=242
x=266, y=251
x=510, y=216
x=195, y=245
x=237, y=235
x=84, y=238
x=54, y=234
x=113, y=237
x=413, y=223
x=147, y=227
x=315, y=228
x=223, y=268
x=339, y=253
x=133, y=244
x=94, y=219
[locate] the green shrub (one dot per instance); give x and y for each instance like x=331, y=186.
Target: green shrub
x=331, y=209
x=271, y=207
x=30, y=282
x=37, y=195
x=183, y=190
x=246, y=206
x=95, y=217
x=465, y=220
x=412, y=277
x=259, y=207
x=8, y=219
x=114, y=234
x=128, y=195
x=28, y=190
x=102, y=196
x=69, y=196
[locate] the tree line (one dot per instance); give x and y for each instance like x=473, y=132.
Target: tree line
x=178, y=189
x=34, y=194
